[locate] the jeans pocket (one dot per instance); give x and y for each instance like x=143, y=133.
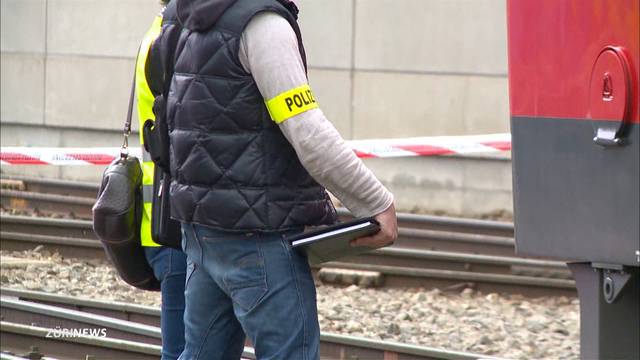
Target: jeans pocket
x=177, y=264
x=245, y=278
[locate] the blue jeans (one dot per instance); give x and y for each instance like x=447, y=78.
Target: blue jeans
x=252, y=284
x=170, y=266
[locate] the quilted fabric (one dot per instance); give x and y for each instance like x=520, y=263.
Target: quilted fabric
x=231, y=166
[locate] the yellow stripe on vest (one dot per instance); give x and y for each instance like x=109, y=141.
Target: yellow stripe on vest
x=291, y=103
x=145, y=99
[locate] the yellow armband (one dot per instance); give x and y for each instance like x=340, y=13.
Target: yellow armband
x=291, y=103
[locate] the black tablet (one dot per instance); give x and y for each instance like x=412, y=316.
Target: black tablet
x=332, y=242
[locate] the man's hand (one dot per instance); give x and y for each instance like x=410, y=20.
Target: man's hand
x=388, y=230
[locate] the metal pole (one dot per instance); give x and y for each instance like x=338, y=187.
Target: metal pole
x=609, y=310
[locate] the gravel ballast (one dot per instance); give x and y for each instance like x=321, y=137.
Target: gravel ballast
x=503, y=325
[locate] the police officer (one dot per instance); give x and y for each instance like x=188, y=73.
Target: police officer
x=251, y=156
x=168, y=264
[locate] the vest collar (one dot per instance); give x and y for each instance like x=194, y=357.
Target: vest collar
x=201, y=15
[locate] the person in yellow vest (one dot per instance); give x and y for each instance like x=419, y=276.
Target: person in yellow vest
x=169, y=264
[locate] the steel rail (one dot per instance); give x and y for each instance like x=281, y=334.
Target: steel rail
x=149, y=315
x=442, y=223
x=54, y=186
x=82, y=229
x=464, y=276
x=446, y=249
x=65, y=246
x=391, y=347
x=6, y=356
x=400, y=266
x=458, y=237
x=445, y=223
x=330, y=343
x=36, y=220
x=22, y=336
x=394, y=251
x=80, y=303
x=396, y=256
x=48, y=204
x=343, y=347
x=414, y=238
x=53, y=198
x=409, y=238
x=46, y=239
x=86, y=227
x=20, y=310
x=75, y=247
x=15, y=310
x=467, y=258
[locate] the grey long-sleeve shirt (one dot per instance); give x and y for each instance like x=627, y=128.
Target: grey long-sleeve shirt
x=269, y=51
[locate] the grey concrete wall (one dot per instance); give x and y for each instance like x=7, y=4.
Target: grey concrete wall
x=398, y=68
x=379, y=68
x=450, y=185
x=68, y=63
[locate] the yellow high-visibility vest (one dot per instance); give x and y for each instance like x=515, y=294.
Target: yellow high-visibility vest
x=145, y=99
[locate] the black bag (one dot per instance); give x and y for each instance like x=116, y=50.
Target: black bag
x=164, y=230
x=117, y=215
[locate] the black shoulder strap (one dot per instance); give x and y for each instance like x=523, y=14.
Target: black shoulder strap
x=124, y=151
x=170, y=34
x=161, y=53
x=127, y=123
x=169, y=60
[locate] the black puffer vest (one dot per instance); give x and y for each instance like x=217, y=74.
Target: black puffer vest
x=231, y=166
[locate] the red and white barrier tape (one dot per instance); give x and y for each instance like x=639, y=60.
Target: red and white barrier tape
x=61, y=156
x=431, y=146
x=378, y=148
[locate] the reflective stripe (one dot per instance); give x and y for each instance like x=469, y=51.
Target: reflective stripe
x=147, y=168
x=146, y=156
x=291, y=103
x=147, y=173
x=145, y=229
x=147, y=193
x=145, y=99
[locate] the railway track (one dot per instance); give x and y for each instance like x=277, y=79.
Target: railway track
x=55, y=197
x=129, y=331
x=430, y=252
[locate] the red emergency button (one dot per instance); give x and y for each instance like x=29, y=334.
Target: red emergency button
x=610, y=96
